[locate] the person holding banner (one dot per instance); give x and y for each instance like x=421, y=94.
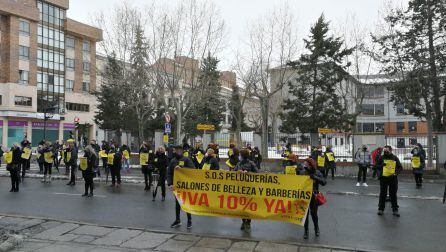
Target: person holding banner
x=114, y=162
x=13, y=162
x=330, y=161
x=210, y=161
x=178, y=162
x=233, y=157
x=70, y=160
x=26, y=156
x=310, y=168
x=418, y=163
x=390, y=167
x=160, y=162
x=146, y=161
x=87, y=165
x=198, y=155
x=48, y=157
x=246, y=166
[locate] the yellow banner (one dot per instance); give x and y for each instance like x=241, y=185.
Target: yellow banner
x=26, y=153
x=276, y=197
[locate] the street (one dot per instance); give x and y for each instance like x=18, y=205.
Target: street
x=348, y=219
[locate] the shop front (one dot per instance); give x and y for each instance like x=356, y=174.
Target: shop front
x=16, y=132
x=1, y=132
x=69, y=130
x=40, y=132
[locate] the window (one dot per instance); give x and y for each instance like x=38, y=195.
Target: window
x=412, y=141
x=412, y=126
x=359, y=127
x=24, y=52
x=400, y=127
x=368, y=109
x=23, y=101
x=70, y=63
x=379, y=127
x=78, y=107
x=342, y=141
x=86, y=46
x=86, y=67
x=69, y=85
x=371, y=91
x=400, y=110
x=24, y=28
x=379, y=109
x=23, y=77
x=70, y=42
x=86, y=86
x=400, y=143
x=368, y=127
x=0, y=100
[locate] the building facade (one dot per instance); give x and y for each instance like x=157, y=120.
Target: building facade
x=47, y=72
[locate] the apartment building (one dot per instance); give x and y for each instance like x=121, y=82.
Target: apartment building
x=47, y=72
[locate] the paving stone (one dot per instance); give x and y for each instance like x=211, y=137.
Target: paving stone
x=201, y=249
x=8, y=221
x=242, y=246
x=147, y=240
x=85, y=239
x=117, y=237
x=310, y=249
x=216, y=243
x=64, y=238
x=50, y=224
x=25, y=224
x=175, y=246
x=268, y=246
x=92, y=230
x=32, y=245
x=109, y=249
x=64, y=248
x=56, y=231
x=187, y=237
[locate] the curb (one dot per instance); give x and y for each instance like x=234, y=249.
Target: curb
x=316, y=246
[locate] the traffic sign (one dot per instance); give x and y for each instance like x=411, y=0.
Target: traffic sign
x=205, y=127
x=167, y=128
x=167, y=117
x=326, y=130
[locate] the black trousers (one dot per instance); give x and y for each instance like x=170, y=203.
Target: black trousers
x=178, y=211
x=332, y=168
x=72, y=167
x=89, y=184
x=116, y=175
x=313, y=212
x=25, y=166
x=40, y=167
x=162, y=183
x=148, y=177
x=391, y=184
x=362, y=172
x=15, y=179
x=48, y=168
x=418, y=178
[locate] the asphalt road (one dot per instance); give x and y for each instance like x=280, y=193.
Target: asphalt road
x=348, y=220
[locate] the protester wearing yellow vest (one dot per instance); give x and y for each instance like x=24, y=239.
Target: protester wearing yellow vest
x=198, y=155
x=418, y=162
x=48, y=157
x=292, y=166
x=330, y=162
x=115, y=163
x=286, y=153
x=25, y=157
x=210, y=161
x=390, y=167
x=70, y=160
x=233, y=157
x=146, y=161
x=13, y=161
x=320, y=160
x=125, y=158
x=87, y=166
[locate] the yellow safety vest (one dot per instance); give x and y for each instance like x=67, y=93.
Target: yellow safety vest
x=320, y=161
x=68, y=155
x=290, y=169
x=102, y=154
x=416, y=162
x=83, y=163
x=206, y=167
x=26, y=153
x=199, y=157
x=230, y=152
x=110, y=158
x=126, y=154
x=286, y=154
x=186, y=154
x=143, y=158
x=8, y=157
x=330, y=156
x=181, y=164
x=228, y=163
x=389, y=167
x=48, y=156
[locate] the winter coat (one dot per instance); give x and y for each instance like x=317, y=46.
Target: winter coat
x=363, y=157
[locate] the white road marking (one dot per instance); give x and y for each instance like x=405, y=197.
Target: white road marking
x=78, y=195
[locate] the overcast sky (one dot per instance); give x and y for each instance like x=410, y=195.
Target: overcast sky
x=238, y=12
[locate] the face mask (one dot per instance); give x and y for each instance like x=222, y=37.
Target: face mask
x=364, y=149
x=386, y=152
x=178, y=155
x=415, y=151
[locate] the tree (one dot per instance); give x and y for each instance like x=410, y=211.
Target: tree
x=210, y=108
x=237, y=115
x=109, y=113
x=413, y=55
x=315, y=103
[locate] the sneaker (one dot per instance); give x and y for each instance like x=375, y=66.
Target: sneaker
x=90, y=195
x=358, y=184
x=365, y=185
x=163, y=198
x=248, y=227
x=189, y=224
x=243, y=226
x=175, y=224
x=380, y=212
x=306, y=235
x=396, y=213
x=85, y=195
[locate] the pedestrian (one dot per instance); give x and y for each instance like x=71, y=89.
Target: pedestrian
x=249, y=148
x=146, y=162
x=97, y=149
x=103, y=154
x=256, y=157
x=319, y=157
x=330, y=162
x=13, y=163
x=70, y=160
x=56, y=148
x=48, y=156
x=418, y=164
x=1, y=154
x=390, y=167
x=245, y=166
x=210, y=161
x=178, y=162
x=233, y=157
x=198, y=155
x=160, y=162
x=310, y=168
x=292, y=164
x=376, y=155
x=40, y=157
x=88, y=170
x=363, y=159
x=285, y=154
x=126, y=158
x=25, y=157
x=186, y=150
x=114, y=163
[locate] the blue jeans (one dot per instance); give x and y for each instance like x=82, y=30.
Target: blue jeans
x=126, y=165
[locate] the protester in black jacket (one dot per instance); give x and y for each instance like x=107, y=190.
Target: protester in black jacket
x=88, y=173
x=198, y=155
x=147, y=168
x=246, y=166
x=256, y=157
x=105, y=147
x=115, y=156
x=233, y=155
x=70, y=160
x=210, y=162
x=178, y=162
x=389, y=168
x=48, y=157
x=160, y=162
x=25, y=160
x=14, y=167
x=97, y=149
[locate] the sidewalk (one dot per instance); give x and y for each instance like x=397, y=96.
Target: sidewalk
x=37, y=234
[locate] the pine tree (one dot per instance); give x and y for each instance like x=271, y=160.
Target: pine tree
x=314, y=102
x=236, y=109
